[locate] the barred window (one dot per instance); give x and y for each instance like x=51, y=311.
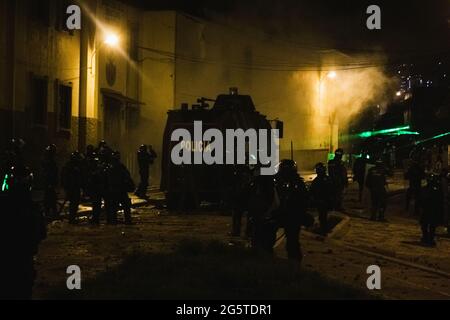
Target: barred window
x=64, y=106
x=134, y=42
x=39, y=100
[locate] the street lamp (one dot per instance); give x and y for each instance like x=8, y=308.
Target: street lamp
x=330, y=75
x=111, y=40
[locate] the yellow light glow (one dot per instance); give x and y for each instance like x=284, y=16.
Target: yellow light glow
x=111, y=40
x=332, y=74
x=398, y=93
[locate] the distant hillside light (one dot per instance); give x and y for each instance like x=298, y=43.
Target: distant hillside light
x=111, y=40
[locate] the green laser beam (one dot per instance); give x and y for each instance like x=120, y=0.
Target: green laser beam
x=392, y=131
x=5, y=185
x=433, y=138
x=367, y=134
x=403, y=132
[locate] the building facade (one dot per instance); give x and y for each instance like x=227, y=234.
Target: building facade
x=73, y=89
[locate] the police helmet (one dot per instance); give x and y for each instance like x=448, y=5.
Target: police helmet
x=51, y=149
x=287, y=166
x=143, y=148
x=434, y=181
x=320, y=168
x=17, y=179
x=75, y=156
x=102, y=144
x=115, y=155
x=16, y=144
x=90, y=149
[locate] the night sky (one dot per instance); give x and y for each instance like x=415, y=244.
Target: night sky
x=409, y=28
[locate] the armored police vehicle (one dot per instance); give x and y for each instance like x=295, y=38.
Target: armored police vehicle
x=189, y=183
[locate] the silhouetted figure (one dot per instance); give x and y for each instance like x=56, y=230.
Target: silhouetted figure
x=146, y=157
x=359, y=173
x=72, y=182
x=414, y=175
x=322, y=195
x=376, y=183
x=23, y=230
x=292, y=212
x=445, y=186
x=118, y=184
x=338, y=174
x=94, y=182
x=263, y=201
x=12, y=154
x=188, y=197
x=239, y=197
x=103, y=148
x=432, y=208
x=50, y=180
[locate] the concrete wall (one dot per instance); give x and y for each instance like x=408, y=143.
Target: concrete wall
x=6, y=68
x=180, y=59
x=158, y=75
x=213, y=57
x=30, y=48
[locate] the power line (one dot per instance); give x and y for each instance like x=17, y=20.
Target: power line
x=281, y=66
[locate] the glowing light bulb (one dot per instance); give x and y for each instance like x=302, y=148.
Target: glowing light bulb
x=111, y=40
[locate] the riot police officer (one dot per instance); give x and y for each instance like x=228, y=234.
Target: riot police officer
x=118, y=184
x=263, y=201
x=24, y=229
x=94, y=182
x=239, y=193
x=292, y=212
x=376, y=182
x=12, y=154
x=102, y=147
x=359, y=172
x=72, y=182
x=146, y=157
x=338, y=174
x=432, y=208
x=414, y=174
x=322, y=195
x=50, y=178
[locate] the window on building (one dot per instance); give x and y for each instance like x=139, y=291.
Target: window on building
x=134, y=42
x=64, y=106
x=40, y=11
x=39, y=100
x=132, y=118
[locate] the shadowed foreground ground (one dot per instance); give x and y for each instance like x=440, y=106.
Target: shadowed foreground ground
x=206, y=270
